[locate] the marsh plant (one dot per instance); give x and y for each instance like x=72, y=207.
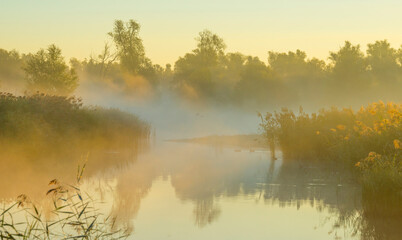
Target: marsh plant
x=73, y=214
x=368, y=140
x=41, y=120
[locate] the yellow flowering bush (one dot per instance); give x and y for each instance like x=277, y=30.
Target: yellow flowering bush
x=382, y=173
x=369, y=139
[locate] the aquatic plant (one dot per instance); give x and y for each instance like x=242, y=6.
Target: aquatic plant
x=369, y=139
x=45, y=121
x=73, y=214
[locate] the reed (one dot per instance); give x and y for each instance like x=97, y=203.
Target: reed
x=368, y=140
x=41, y=123
x=73, y=215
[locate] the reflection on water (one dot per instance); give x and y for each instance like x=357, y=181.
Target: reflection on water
x=190, y=191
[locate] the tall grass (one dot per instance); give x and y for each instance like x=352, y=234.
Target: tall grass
x=367, y=140
x=40, y=120
x=73, y=215
x=42, y=135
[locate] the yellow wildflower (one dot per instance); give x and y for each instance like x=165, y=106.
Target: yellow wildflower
x=357, y=164
x=341, y=127
x=318, y=132
x=333, y=129
x=397, y=144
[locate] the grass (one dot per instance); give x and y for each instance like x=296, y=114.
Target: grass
x=42, y=122
x=368, y=140
x=73, y=215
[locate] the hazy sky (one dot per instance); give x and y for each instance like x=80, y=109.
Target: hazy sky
x=169, y=27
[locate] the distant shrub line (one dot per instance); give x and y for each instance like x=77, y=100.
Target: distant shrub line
x=211, y=74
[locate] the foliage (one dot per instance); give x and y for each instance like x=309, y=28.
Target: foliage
x=130, y=49
x=46, y=71
x=47, y=120
x=73, y=215
x=382, y=173
x=346, y=137
x=199, y=73
x=11, y=73
x=129, y=45
x=210, y=74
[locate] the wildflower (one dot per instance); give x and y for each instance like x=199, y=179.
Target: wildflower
x=346, y=138
x=357, y=164
x=397, y=144
x=333, y=129
x=392, y=111
x=341, y=127
x=318, y=132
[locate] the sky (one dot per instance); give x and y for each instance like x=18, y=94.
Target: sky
x=168, y=28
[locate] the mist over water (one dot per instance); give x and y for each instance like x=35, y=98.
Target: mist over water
x=173, y=118
x=193, y=191
x=216, y=145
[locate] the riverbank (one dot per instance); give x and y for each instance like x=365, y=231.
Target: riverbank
x=367, y=141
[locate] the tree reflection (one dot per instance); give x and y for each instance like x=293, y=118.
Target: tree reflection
x=205, y=212
x=201, y=176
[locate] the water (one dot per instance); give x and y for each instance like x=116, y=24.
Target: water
x=191, y=191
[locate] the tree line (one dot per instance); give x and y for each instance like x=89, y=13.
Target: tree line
x=211, y=74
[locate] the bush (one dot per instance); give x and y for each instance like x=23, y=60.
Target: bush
x=368, y=139
x=42, y=121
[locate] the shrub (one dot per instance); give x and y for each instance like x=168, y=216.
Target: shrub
x=42, y=122
x=368, y=139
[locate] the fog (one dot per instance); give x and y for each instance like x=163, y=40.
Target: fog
x=208, y=90
x=135, y=124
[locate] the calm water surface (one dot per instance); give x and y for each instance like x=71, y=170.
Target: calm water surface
x=190, y=191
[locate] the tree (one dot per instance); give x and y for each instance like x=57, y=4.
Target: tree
x=203, y=68
x=210, y=45
x=295, y=68
x=349, y=63
x=349, y=74
x=130, y=49
x=304, y=76
x=383, y=61
x=105, y=60
x=288, y=65
x=131, y=52
x=258, y=85
x=46, y=71
x=11, y=73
